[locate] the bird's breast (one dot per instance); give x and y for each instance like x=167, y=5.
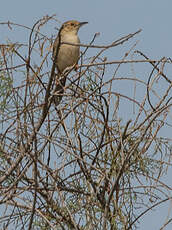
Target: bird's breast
x=68, y=55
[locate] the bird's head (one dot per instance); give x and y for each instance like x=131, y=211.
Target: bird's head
x=72, y=26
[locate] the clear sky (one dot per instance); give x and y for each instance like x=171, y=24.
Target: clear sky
x=112, y=18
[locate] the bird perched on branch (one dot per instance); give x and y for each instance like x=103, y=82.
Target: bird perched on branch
x=65, y=55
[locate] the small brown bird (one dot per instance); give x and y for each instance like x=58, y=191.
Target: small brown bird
x=65, y=55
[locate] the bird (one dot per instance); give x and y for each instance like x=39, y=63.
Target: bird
x=65, y=55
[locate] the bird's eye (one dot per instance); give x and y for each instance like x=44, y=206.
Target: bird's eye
x=72, y=24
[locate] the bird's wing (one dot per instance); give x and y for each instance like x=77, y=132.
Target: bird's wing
x=55, y=45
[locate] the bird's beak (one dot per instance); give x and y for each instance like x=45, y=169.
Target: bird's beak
x=82, y=23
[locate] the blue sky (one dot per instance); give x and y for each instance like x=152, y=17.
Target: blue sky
x=112, y=19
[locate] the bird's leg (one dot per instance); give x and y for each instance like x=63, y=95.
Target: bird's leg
x=76, y=67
